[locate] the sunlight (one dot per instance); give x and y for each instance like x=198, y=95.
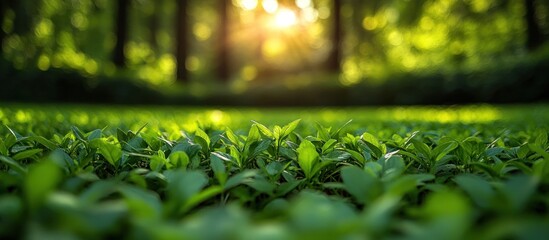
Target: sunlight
x=285, y=18
x=248, y=4
x=270, y=6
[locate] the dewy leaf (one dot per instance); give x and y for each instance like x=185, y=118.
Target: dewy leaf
x=307, y=157
x=40, y=181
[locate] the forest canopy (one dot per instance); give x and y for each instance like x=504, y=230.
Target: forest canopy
x=241, y=41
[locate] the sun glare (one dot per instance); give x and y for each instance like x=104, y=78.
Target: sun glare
x=270, y=6
x=285, y=18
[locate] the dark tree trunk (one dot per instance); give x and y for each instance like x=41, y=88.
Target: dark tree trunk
x=154, y=23
x=181, y=41
x=121, y=32
x=223, y=71
x=534, y=35
x=333, y=62
x=3, y=8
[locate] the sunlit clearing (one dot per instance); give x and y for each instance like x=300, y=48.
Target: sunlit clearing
x=285, y=18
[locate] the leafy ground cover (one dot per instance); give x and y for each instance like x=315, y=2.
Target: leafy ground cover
x=475, y=172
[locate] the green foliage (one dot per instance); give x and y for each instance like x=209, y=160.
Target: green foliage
x=372, y=178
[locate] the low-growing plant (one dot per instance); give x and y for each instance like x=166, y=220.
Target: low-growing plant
x=300, y=180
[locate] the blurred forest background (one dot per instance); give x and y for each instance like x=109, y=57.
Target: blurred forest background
x=269, y=52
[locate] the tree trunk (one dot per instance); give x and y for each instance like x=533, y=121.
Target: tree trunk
x=154, y=24
x=121, y=32
x=534, y=35
x=3, y=8
x=223, y=71
x=333, y=62
x=181, y=41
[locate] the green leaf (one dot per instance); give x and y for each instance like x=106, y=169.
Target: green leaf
x=422, y=148
x=13, y=164
x=157, y=163
x=110, y=151
x=253, y=135
x=289, y=128
x=307, y=157
x=39, y=182
x=178, y=159
x=274, y=168
x=478, y=189
x=443, y=149
x=202, y=139
x=407, y=183
x=42, y=140
x=232, y=137
x=544, y=173
x=184, y=185
x=362, y=186
x=260, y=147
x=373, y=144
x=541, y=140
x=95, y=134
x=287, y=187
x=356, y=155
x=201, y=197
x=329, y=146
x=518, y=190
x=240, y=178
x=3, y=148
x=336, y=133
x=265, y=130
x=26, y=154
x=143, y=204
x=322, y=132
x=261, y=185
x=218, y=167
x=78, y=134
